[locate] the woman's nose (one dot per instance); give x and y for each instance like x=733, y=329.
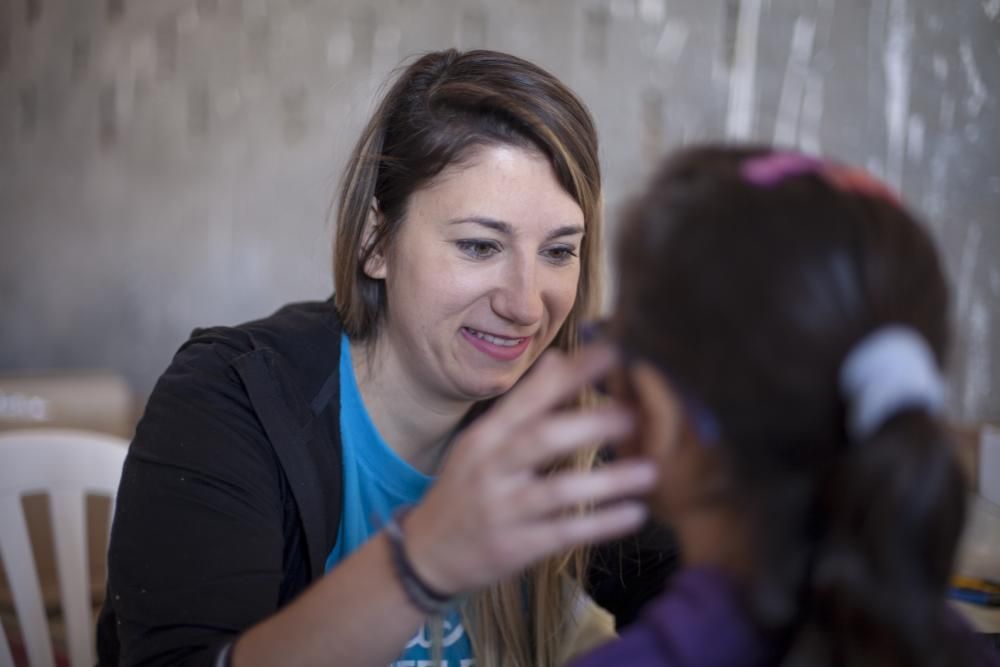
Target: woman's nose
x=519, y=298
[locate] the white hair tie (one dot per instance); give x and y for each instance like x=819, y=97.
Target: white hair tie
x=885, y=372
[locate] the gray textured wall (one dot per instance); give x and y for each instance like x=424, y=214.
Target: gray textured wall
x=169, y=163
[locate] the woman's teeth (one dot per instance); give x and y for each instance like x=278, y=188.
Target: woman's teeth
x=503, y=342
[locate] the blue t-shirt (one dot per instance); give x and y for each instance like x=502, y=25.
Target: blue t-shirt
x=377, y=482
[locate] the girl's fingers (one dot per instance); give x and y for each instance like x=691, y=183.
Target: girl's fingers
x=557, y=435
x=570, y=490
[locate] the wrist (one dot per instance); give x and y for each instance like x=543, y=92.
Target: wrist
x=430, y=559
x=424, y=592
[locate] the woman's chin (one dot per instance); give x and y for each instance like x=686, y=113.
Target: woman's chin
x=483, y=389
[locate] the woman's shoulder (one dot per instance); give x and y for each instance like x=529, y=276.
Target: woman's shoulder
x=307, y=323
x=238, y=406
x=234, y=377
x=299, y=345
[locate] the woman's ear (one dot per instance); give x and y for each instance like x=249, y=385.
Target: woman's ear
x=374, y=260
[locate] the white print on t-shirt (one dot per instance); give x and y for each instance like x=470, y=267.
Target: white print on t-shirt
x=451, y=633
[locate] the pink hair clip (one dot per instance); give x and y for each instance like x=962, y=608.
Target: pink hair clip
x=773, y=168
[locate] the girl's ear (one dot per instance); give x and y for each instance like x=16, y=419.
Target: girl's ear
x=660, y=416
x=691, y=472
x=375, y=265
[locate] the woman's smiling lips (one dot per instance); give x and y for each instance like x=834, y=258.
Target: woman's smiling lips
x=503, y=348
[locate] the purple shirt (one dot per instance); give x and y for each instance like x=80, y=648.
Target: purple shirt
x=698, y=622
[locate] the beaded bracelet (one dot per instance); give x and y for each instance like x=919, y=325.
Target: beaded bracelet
x=424, y=597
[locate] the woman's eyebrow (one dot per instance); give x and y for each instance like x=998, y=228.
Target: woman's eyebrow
x=567, y=230
x=489, y=223
x=506, y=228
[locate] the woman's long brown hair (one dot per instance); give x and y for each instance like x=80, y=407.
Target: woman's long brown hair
x=437, y=112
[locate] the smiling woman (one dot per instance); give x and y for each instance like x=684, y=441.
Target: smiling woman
x=484, y=272
x=331, y=484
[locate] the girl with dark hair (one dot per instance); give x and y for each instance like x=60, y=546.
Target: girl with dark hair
x=312, y=487
x=784, y=321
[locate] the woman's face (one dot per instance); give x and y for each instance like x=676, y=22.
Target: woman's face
x=481, y=274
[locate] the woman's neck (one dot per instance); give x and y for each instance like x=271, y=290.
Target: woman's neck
x=416, y=424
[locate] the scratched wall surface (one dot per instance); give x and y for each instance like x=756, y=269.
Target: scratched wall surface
x=169, y=163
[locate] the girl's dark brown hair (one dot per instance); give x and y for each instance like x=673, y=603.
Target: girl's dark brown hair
x=438, y=111
x=752, y=296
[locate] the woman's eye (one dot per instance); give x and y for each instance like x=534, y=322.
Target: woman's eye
x=561, y=254
x=478, y=249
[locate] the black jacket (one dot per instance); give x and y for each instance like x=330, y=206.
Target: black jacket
x=230, y=497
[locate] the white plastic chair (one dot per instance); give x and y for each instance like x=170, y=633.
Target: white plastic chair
x=68, y=465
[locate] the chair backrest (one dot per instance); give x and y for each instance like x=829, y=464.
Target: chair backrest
x=92, y=400
x=67, y=465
